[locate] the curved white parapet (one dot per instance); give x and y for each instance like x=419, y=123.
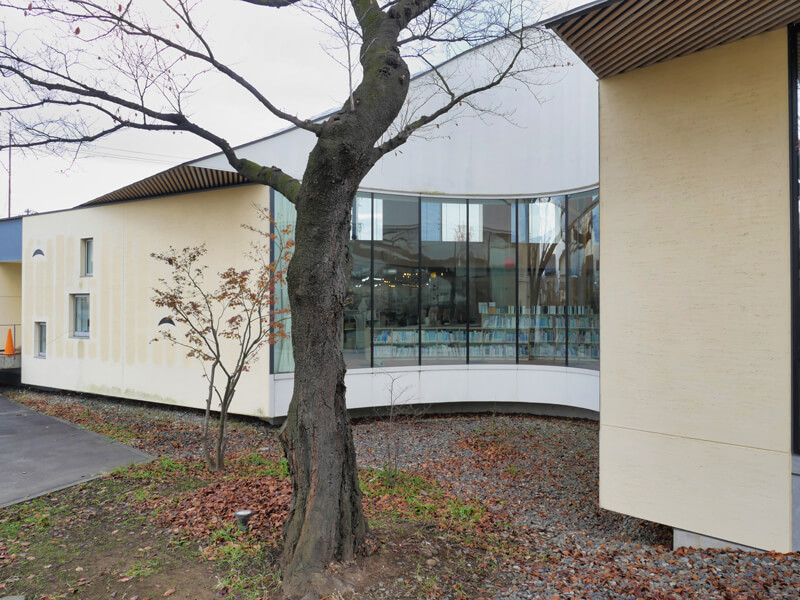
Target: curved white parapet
x=464, y=385
x=542, y=136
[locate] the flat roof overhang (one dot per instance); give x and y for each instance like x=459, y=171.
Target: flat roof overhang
x=616, y=36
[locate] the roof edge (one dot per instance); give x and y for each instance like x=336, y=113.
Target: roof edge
x=577, y=12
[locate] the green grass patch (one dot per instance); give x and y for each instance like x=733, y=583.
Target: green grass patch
x=115, y=432
x=143, y=568
x=401, y=495
x=248, y=566
x=465, y=512
x=256, y=465
x=28, y=518
x=160, y=469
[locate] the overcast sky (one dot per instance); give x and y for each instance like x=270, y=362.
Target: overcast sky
x=279, y=50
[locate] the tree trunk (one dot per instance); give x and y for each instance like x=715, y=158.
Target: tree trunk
x=326, y=520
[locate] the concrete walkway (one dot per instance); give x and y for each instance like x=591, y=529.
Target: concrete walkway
x=41, y=454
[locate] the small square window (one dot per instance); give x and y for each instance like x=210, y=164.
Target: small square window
x=87, y=257
x=80, y=315
x=41, y=339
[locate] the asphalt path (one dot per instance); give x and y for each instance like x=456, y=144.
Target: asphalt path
x=40, y=454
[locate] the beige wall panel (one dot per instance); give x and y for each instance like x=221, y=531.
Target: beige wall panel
x=735, y=483
x=119, y=359
x=51, y=280
x=10, y=296
x=695, y=316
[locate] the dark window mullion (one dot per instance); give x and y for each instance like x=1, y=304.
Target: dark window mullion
x=469, y=276
x=794, y=221
x=371, y=280
x=567, y=278
x=419, y=280
x=272, y=257
x=517, y=309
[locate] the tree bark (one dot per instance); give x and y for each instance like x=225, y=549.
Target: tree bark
x=326, y=520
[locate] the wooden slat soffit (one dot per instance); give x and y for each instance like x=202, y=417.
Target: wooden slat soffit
x=183, y=178
x=616, y=36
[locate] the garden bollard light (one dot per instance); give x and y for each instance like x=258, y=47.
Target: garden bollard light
x=242, y=517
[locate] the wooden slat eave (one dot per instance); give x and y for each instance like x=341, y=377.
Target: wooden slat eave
x=618, y=37
x=741, y=31
x=743, y=24
x=653, y=32
x=181, y=179
x=698, y=27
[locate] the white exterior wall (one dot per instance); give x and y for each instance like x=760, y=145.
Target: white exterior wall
x=545, y=144
x=463, y=384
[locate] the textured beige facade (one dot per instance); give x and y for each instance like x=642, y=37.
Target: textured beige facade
x=695, y=293
x=119, y=358
x=10, y=298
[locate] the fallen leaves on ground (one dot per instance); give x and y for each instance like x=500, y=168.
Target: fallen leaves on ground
x=202, y=512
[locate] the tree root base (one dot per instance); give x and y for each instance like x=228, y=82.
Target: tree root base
x=321, y=585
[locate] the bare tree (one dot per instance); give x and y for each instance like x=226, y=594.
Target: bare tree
x=226, y=324
x=107, y=66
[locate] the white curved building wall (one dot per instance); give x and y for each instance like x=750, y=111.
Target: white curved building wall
x=538, y=146
x=459, y=384
x=543, y=141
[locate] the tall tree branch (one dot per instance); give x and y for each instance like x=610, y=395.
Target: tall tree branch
x=455, y=100
x=122, y=21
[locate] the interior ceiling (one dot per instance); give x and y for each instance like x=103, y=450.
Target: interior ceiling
x=616, y=36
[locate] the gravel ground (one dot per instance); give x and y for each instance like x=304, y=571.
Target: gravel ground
x=543, y=472
x=540, y=471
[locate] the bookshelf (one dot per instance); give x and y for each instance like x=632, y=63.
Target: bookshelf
x=494, y=339
x=549, y=329
x=543, y=335
x=395, y=343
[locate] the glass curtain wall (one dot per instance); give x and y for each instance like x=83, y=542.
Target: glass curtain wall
x=284, y=215
x=443, y=261
x=395, y=337
x=454, y=281
x=542, y=280
x=583, y=294
x=492, y=282
x=357, y=326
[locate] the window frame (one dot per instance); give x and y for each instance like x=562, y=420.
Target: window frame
x=75, y=298
x=40, y=331
x=87, y=257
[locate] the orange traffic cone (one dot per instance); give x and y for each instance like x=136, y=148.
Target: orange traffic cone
x=9, y=344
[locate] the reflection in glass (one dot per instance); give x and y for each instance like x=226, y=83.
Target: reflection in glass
x=583, y=310
x=395, y=334
x=542, y=273
x=444, y=281
x=284, y=214
x=531, y=293
x=356, y=327
x=492, y=286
